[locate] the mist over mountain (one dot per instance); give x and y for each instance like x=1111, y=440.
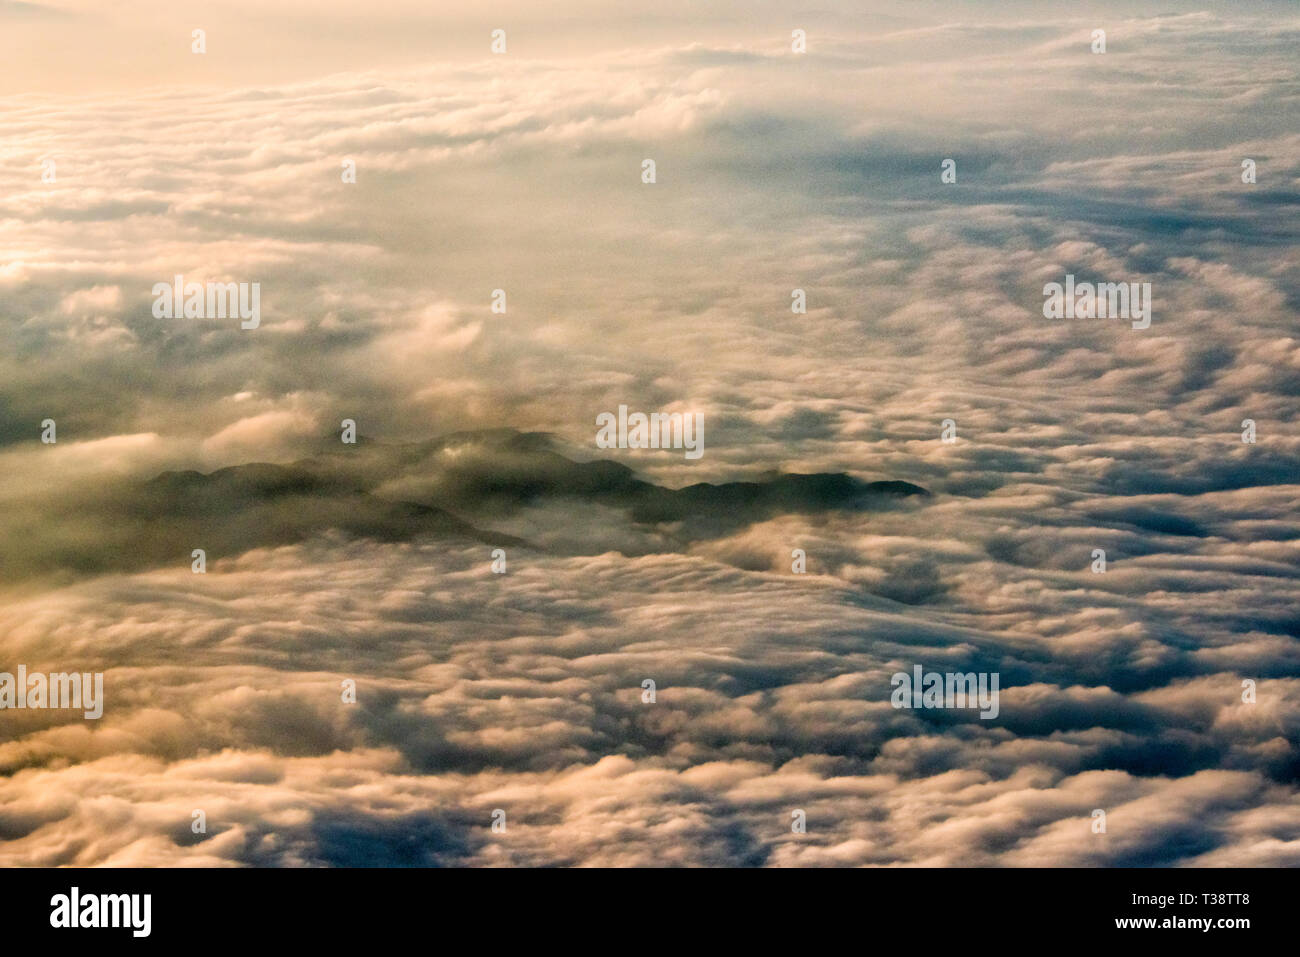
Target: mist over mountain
x=405, y=492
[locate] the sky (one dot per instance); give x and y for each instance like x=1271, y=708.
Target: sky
x=127, y=159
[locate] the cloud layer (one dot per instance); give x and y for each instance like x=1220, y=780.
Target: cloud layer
x=522, y=691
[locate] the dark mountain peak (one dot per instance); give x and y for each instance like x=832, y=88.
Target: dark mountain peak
x=452, y=487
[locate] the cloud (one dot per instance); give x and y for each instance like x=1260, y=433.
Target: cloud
x=1120, y=690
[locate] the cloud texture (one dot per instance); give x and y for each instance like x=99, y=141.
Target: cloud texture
x=476, y=691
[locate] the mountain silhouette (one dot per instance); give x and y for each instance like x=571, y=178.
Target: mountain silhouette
x=403, y=492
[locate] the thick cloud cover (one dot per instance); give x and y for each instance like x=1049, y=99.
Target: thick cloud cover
x=522, y=691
